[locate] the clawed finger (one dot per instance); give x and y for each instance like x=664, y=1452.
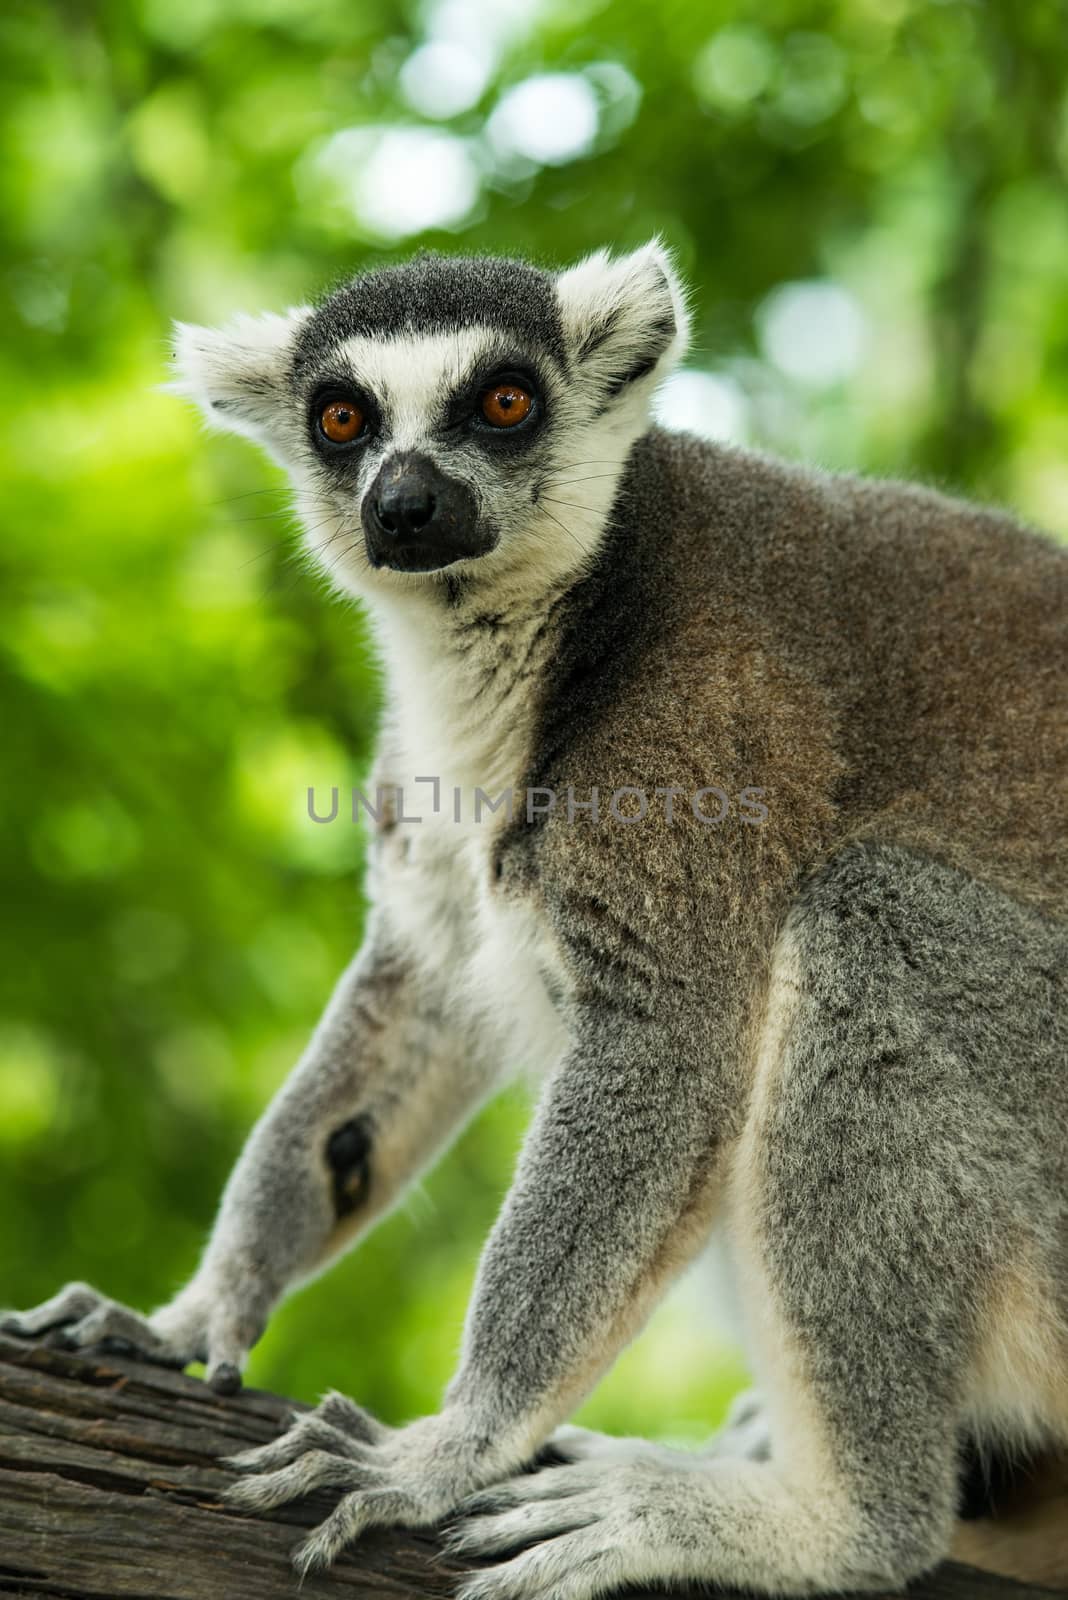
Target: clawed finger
x=351, y=1516
x=306, y=1433
x=558, y=1568
x=71, y=1304
x=316, y=1469
x=224, y=1377
x=79, y=1316
x=340, y=1412
x=110, y=1321
x=551, y=1483
x=524, y=1525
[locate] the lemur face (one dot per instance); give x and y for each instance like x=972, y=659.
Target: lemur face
x=431, y=392
x=461, y=414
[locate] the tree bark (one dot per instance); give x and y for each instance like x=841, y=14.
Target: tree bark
x=110, y=1486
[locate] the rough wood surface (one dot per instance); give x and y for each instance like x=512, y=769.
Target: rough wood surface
x=110, y=1487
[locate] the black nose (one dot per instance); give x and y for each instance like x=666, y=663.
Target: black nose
x=417, y=519
x=404, y=507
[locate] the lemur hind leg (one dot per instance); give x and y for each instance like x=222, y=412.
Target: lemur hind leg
x=884, y=1171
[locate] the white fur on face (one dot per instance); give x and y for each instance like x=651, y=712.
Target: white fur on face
x=617, y=302
x=412, y=378
x=550, y=502
x=624, y=322
x=237, y=377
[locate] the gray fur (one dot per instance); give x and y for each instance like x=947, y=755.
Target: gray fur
x=436, y=294
x=837, y=1039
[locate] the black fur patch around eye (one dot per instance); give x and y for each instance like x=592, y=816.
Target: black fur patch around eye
x=348, y=1153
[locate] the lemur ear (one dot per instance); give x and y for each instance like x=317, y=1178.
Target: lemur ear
x=237, y=374
x=624, y=319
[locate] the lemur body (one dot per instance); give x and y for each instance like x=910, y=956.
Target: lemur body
x=837, y=1037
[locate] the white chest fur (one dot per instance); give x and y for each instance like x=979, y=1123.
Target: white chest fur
x=489, y=953
x=489, y=950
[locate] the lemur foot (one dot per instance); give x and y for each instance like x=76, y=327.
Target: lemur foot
x=626, y=1513
x=598, y=1523
x=196, y=1327
x=412, y=1476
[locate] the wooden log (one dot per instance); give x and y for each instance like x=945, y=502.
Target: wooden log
x=110, y=1489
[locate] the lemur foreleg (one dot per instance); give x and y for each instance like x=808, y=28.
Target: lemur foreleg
x=611, y=1196
x=869, y=1233
x=385, y=1082
x=860, y=1269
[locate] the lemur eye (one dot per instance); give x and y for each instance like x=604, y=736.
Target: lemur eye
x=505, y=404
x=341, y=421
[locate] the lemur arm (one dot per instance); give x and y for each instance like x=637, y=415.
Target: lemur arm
x=612, y=1193
x=388, y=1077
x=610, y=1198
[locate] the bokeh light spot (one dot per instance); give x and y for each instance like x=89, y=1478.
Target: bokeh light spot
x=400, y=181
x=735, y=66
x=550, y=119
x=708, y=404
x=441, y=79
x=814, y=332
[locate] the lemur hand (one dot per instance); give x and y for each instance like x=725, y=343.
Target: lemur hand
x=412, y=1476
x=199, y=1325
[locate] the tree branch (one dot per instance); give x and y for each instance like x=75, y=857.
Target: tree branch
x=110, y=1486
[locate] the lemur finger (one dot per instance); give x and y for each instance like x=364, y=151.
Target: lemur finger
x=224, y=1378
x=316, y=1469
x=341, y=1412
x=110, y=1321
x=111, y=1324
x=230, y=1336
x=746, y=1433
x=307, y=1433
x=551, y=1483
x=572, y=1567
x=745, y=1407
x=226, y=1357
x=525, y=1524
x=69, y=1305
x=376, y=1508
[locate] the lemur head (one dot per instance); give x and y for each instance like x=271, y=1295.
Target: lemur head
x=467, y=416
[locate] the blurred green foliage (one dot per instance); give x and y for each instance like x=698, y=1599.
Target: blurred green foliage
x=869, y=199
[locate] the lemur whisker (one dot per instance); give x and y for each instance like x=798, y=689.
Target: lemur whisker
x=287, y=575
x=296, y=559
x=572, y=505
x=597, y=477
x=232, y=499
x=356, y=549
x=280, y=544
x=273, y=515
x=575, y=541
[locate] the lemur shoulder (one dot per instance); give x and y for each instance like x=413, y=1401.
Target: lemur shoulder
x=779, y=911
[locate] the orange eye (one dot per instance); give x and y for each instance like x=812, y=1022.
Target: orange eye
x=505, y=404
x=341, y=421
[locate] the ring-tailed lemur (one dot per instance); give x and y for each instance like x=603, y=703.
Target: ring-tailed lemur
x=837, y=1041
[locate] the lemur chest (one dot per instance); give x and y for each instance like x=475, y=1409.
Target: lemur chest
x=491, y=950
x=491, y=953
x=458, y=745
